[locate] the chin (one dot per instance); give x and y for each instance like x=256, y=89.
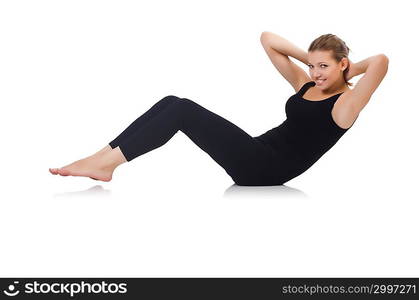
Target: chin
x=320, y=86
x=324, y=85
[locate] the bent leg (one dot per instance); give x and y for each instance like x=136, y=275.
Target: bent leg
x=244, y=158
x=143, y=119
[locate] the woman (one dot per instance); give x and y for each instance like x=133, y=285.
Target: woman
x=321, y=111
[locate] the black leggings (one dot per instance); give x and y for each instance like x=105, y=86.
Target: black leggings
x=246, y=159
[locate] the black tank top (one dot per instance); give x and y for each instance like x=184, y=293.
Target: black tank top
x=309, y=130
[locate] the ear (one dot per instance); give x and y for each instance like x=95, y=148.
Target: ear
x=345, y=63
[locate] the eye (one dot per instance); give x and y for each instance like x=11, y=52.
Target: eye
x=320, y=65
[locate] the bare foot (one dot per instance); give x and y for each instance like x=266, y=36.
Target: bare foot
x=88, y=167
x=97, y=166
x=107, y=148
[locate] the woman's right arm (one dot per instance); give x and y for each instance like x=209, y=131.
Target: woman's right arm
x=279, y=51
x=284, y=46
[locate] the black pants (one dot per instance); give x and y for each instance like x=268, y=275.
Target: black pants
x=246, y=159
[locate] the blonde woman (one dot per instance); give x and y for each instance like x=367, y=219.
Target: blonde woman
x=317, y=116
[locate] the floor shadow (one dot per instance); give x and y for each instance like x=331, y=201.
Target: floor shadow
x=96, y=190
x=266, y=192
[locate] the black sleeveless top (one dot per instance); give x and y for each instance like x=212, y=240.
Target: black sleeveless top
x=309, y=130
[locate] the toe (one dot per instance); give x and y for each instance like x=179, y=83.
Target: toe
x=63, y=172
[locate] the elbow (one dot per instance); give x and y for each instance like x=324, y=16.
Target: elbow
x=264, y=33
x=264, y=36
x=384, y=58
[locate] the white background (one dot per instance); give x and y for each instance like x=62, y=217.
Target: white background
x=74, y=74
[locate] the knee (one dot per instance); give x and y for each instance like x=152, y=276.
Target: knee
x=184, y=103
x=182, y=106
x=171, y=98
x=178, y=100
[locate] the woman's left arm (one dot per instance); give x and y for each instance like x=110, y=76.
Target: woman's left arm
x=375, y=68
x=361, y=67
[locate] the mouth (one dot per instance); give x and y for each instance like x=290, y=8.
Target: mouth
x=320, y=81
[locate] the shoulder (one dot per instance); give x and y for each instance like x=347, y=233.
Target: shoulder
x=301, y=84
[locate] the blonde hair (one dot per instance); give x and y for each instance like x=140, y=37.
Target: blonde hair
x=339, y=49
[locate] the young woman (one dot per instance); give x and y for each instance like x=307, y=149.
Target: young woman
x=321, y=111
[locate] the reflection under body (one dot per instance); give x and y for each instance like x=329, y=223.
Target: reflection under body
x=96, y=190
x=234, y=191
x=266, y=192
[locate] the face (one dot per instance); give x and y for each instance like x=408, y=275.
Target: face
x=324, y=70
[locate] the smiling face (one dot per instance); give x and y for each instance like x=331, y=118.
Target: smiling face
x=325, y=71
